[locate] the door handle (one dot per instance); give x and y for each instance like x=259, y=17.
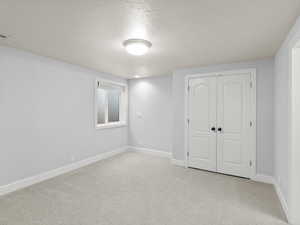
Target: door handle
x=220, y=129
x=213, y=129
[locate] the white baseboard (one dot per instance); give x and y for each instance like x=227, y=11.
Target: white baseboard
x=56, y=172
x=263, y=178
x=150, y=151
x=68, y=168
x=271, y=180
x=178, y=162
x=282, y=199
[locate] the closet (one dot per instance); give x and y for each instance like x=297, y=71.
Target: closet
x=221, y=122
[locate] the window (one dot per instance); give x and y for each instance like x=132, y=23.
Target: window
x=111, y=104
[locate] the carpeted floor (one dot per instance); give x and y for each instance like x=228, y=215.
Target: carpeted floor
x=140, y=189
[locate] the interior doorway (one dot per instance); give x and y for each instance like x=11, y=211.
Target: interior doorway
x=294, y=149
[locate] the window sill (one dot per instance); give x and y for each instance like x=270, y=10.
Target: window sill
x=111, y=125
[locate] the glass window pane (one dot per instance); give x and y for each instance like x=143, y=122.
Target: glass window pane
x=113, y=101
x=101, y=99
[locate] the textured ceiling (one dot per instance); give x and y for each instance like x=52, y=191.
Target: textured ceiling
x=183, y=33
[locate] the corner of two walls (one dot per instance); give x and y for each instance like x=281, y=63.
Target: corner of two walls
x=150, y=113
x=156, y=111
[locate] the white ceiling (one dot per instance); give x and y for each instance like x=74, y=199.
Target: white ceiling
x=183, y=33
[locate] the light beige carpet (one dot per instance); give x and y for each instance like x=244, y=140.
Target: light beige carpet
x=140, y=189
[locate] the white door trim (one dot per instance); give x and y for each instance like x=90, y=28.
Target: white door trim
x=293, y=195
x=252, y=72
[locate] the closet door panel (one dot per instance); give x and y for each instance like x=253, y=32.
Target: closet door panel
x=202, y=118
x=233, y=103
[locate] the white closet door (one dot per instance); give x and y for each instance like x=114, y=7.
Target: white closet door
x=202, y=116
x=233, y=106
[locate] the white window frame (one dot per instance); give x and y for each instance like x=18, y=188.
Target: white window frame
x=123, y=113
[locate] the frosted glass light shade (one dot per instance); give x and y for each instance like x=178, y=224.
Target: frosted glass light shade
x=137, y=46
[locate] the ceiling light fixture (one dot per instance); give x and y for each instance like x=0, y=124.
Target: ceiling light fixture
x=137, y=46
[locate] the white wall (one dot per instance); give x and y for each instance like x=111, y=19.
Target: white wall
x=150, y=115
x=264, y=81
x=47, y=115
x=282, y=112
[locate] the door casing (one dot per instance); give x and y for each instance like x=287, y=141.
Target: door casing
x=252, y=138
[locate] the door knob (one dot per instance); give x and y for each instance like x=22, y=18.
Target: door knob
x=219, y=129
x=213, y=129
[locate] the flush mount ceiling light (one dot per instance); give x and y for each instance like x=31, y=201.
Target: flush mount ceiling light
x=137, y=46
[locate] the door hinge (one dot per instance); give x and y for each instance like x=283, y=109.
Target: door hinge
x=188, y=88
x=188, y=121
x=188, y=154
x=250, y=123
x=251, y=84
x=250, y=163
